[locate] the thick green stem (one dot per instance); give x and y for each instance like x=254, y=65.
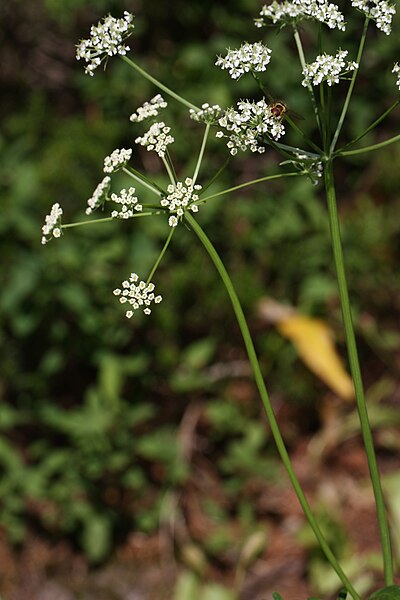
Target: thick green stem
x=351, y=86
x=267, y=403
x=160, y=85
x=356, y=373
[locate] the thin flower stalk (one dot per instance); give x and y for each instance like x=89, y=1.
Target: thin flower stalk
x=160, y=85
x=351, y=87
x=252, y=182
x=267, y=403
x=201, y=153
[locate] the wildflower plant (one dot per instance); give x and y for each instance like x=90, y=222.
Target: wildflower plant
x=258, y=126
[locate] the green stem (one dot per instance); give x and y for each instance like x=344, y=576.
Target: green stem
x=356, y=373
x=132, y=174
x=300, y=51
x=163, y=87
x=351, y=86
x=392, y=140
x=201, y=153
x=242, y=185
x=95, y=221
x=370, y=128
x=266, y=401
x=161, y=255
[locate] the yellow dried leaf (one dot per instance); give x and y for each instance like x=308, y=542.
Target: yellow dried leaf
x=313, y=340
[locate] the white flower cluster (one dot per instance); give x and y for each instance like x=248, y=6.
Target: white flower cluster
x=138, y=295
x=207, y=114
x=106, y=39
x=52, y=224
x=328, y=68
x=248, y=125
x=250, y=57
x=181, y=197
x=157, y=138
x=99, y=195
x=380, y=11
x=129, y=204
x=117, y=160
x=289, y=12
x=149, y=109
x=396, y=69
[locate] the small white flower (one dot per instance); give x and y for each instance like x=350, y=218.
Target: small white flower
x=292, y=12
x=328, y=68
x=129, y=204
x=149, y=109
x=138, y=295
x=157, y=138
x=106, y=39
x=250, y=57
x=396, y=69
x=52, y=224
x=181, y=196
x=117, y=159
x=99, y=195
x=207, y=114
x=380, y=11
x=247, y=126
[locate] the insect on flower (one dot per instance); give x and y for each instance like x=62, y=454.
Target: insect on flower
x=278, y=109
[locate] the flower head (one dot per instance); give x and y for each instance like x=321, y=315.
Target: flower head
x=117, y=159
x=52, y=224
x=129, y=204
x=207, y=114
x=249, y=57
x=292, y=12
x=157, y=138
x=396, y=69
x=181, y=197
x=106, y=39
x=138, y=294
x=247, y=126
x=99, y=195
x=328, y=68
x=148, y=109
x=380, y=11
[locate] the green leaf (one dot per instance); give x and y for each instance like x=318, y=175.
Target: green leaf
x=388, y=593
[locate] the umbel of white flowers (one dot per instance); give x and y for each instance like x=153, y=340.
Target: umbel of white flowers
x=106, y=39
x=138, y=294
x=290, y=13
x=148, y=109
x=181, y=197
x=157, y=138
x=249, y=57
x=248, y=125
x=328, y=68
x=52, y=224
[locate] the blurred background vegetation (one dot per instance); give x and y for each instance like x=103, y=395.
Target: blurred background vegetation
x=104, y=421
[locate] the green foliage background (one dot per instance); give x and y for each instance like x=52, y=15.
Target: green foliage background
x=91, y=403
